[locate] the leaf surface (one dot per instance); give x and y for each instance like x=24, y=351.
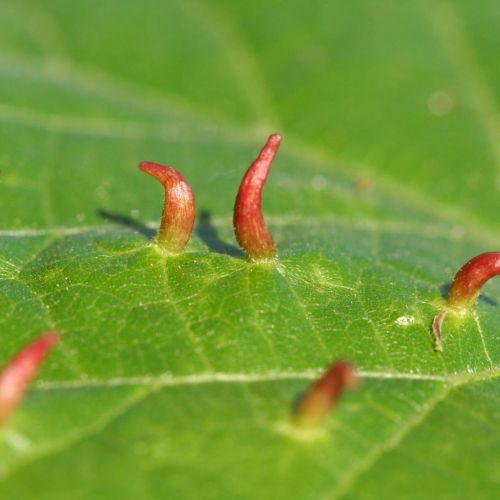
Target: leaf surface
x=176, y=376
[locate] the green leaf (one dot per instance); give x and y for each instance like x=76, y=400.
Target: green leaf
x=176, y=376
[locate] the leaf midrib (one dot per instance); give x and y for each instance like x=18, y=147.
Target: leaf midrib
x=341, y=487
x=454, y=380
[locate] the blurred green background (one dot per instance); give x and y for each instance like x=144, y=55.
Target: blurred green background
x=402, y=93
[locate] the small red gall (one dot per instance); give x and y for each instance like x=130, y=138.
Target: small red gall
x=249, y=226
x=178, y=215
x=466, y=288
x=20, y=370
x=472, y=276
x=324, y=394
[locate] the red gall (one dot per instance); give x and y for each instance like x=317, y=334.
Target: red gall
x=324, y=394
x=465, y=289
x=249, y=226
x=178, y=215
x=20, y=370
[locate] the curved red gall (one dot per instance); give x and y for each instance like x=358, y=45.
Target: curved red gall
x=466, y=288
x=324, y=394
x=471, y=277
x=249, y=226
x=178, y=215
x=20, y=370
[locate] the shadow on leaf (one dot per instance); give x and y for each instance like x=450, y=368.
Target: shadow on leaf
x=445, y=290
x=208, y=234
x=128, y=222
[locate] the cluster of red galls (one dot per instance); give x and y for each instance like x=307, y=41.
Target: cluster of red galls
x=255, y=239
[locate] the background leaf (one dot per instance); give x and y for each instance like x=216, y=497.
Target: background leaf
x=176, y=376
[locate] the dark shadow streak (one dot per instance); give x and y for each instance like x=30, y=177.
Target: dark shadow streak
x=297, y=400
x=445, y=290
x=208, y=234
x=128, y=222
